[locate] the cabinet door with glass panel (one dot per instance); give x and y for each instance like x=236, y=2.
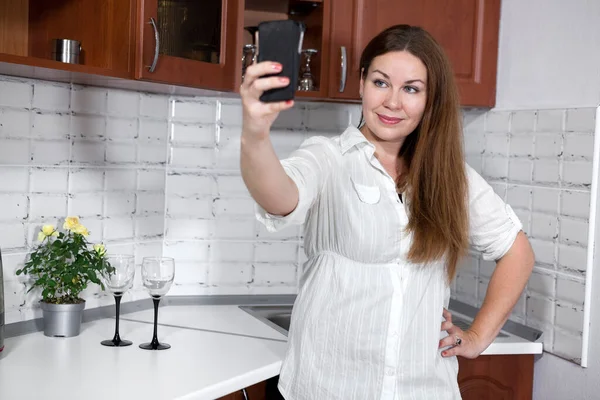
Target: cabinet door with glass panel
x=190, y=42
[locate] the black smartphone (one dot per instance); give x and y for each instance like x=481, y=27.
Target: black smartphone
x=281, y=41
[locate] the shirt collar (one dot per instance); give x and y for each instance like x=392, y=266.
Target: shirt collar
x=352, y=137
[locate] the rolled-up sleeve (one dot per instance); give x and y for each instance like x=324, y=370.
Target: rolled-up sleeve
x=308, y=167
x=493, y=223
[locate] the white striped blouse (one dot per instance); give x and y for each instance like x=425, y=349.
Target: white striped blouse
x=366, y=322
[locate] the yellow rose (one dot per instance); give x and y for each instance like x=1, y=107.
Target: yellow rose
x=41, y=236
x=70, y=223
x=100, y=249
x=48, y=230
x=82, y=230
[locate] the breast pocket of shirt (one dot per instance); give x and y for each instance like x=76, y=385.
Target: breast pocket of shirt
x=367, y=194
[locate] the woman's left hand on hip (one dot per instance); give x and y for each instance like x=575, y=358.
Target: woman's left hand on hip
x=461, y=343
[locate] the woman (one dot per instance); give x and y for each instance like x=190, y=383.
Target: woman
x=389, y=210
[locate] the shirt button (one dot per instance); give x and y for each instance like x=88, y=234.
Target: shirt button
x=390, y=371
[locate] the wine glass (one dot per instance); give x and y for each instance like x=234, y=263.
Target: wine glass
x=248, y=57
x=157, y=276
x=118, y=278
x=307, y=81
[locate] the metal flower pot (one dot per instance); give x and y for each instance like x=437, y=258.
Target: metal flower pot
x=62, y=320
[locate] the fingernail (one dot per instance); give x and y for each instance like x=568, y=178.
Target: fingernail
x=283, y=80
x=276, y=66
x=444, y=353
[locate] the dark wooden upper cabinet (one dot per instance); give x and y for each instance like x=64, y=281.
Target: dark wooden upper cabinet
x=190, y=43
x=466, y=29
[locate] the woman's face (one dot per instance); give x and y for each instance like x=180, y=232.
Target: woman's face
x=393, y=96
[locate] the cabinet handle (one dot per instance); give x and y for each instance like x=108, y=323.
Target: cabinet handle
x=245, y=394
x=157, y=47
x=344, y=66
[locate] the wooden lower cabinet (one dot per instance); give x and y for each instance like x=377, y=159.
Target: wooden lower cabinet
x=497, y=377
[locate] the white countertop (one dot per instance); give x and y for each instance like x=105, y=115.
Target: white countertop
x=216, y=350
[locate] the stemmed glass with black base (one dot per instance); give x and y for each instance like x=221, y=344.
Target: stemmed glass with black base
x=157, y=276
x=118, y=278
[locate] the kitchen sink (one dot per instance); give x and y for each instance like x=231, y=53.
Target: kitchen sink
x=278, y=317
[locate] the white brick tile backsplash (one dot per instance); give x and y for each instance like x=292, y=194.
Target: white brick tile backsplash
x=575, y=203
x=231, y=251
x=85, y=205
x=88, y=99
x=580, y=120
x=291, y=232
x=473, y=121
x=570, y=290
x=543, y=284
x=269, y=274
x=495, y=167
x=44, y=207
x=191, y=272
x=51, y=97
x=197, y=134
x=476, y=162
x=573, y=231
x=151, y=179
x=118, y=229
x=16, y=94
x=229, y=273
x=94, y=225
x=276, y=252
x=12, y=235
x=327, y=118
x=578, y=146
x=192, y=157
x=154, y=154
x=187, y=250
x=548, y=146
x=149, y=227
x=231, y=114
x=150, y=203
x=545, y=200
x=155, y=106
x=541, y=309
x=56, y=152
x=519, y=196
x=520, y=170
x=486, y=268
x=474, y=143
x=497, y=121
x=190, y=184
x=191, y=207
x=525, y=218
x=14, y=151
x=544, y=251
x=185, y=228
x=152, y=130
x=124, y=103
x=569, y=316
x=233, y=206
x=523, y=121
x=577, y=172
x=567, y=345
x=15, y=123
x=544, y=226
x=292, y=119
x=496, y=144
x=572, y=257
x=86, y=180
x=13, y=207
x=117, y=204
x=521, y=145
x=197, y=111
x=88, y=152
x=467, y=285
x=546, y=171
x=241, y=228
x=469, y=264
x=228, y=185
x=50, y=125
x=287, y=140
x=228, y=159
x=120, y=153
x=120, y=179
x=550, y=120
x=14, y=179
x=55, y=180
x=121, y=128
x=88, y=126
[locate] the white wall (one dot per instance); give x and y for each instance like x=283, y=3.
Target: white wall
x=549, y=54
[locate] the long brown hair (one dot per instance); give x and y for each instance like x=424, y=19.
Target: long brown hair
x=434, y=177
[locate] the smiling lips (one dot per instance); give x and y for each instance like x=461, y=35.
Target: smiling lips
x=388, y=120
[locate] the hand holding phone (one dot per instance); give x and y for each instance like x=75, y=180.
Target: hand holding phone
x=281, y=41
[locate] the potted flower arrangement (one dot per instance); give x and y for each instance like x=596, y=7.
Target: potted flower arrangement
x=63, y=265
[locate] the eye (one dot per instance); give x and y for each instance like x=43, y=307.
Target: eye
x=411, y=89
x=379, y=83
